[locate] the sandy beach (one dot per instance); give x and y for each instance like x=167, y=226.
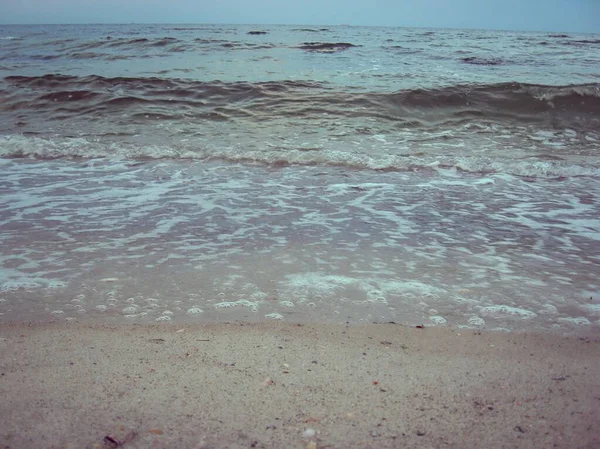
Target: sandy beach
x=274, y=385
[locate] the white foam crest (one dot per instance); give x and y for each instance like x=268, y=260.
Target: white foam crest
x=536, y=169
x=53, y=148
x=545, y=94
x=76, y=147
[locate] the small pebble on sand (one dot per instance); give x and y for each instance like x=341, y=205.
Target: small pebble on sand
x=309, y=433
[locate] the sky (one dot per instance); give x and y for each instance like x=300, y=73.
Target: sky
x=535, y=15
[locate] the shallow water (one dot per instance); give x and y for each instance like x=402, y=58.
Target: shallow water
x=452, y=184
x=212, y=241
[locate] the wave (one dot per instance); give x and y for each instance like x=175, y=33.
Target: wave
x=507, y=97
x=17, y=146
x=126, y=48
x=122, y=44
x=311, y=30
x=586, y=41
x=326, y=47
x=195, y=28
x=475, y=60
x=236, y=45
x=571, y=106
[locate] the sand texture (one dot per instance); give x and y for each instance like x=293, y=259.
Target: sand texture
x=295, y=386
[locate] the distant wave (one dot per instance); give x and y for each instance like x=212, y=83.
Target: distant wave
x=586, y=41
x=311, y=30
x=113, y=48
x=475, y=60
x=326, y=47
x=122, y=47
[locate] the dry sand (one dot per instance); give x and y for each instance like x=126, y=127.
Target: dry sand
x=273, y=385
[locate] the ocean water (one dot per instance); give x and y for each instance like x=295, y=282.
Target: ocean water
x=206, y=173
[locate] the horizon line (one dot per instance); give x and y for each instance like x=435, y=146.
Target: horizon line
x=298, y=24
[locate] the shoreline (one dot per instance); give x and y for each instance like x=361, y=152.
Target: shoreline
x=278, y=385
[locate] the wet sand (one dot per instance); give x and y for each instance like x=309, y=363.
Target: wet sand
x=274, y=385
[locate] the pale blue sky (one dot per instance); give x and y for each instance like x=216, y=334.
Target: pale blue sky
x=543, y=15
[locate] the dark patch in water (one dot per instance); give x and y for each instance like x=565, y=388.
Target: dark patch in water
x=483, y=61
x=133, y=41
x=256, y=33
x=46, y=57
x=209, y=41
x=311, y=30
x=117, y=57
x=74, y=95
x=246, y=46
x=326, y=47
x=164, y=41
x=403, y=50
x=581, y=42
x=187, y=28
x=86, y=55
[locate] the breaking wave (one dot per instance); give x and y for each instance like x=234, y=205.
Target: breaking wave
x=79, y=148
x=50, y=96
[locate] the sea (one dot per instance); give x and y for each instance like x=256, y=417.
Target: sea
x=328, y=174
